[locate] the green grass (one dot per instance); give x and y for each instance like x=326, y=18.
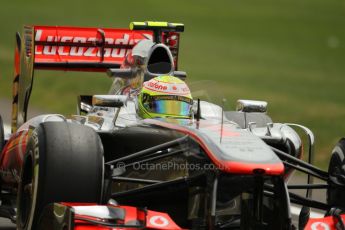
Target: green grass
x=290, y=53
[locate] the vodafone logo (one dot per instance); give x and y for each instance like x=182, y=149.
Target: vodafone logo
x=177, y=89
x=320, y=226
x=157, y=86
x=159, y=221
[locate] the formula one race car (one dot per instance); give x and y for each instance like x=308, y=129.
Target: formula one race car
x=148, y=155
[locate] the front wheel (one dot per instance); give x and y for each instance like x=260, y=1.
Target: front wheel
x=336, y=170
x=63, y=163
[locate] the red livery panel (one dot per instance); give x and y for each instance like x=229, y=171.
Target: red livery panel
x=82, y=45
x=326, y=223
x=86, y=215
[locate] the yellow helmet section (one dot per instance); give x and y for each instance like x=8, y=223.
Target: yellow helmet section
x=166, y=85
x=165, y=96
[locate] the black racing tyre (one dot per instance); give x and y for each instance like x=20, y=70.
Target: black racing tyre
x=63, y=162
x=336, y=170
x=2, y=134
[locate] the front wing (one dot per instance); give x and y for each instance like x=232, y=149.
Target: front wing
x=86, y=216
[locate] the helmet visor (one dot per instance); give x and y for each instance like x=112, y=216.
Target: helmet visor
x=168, y=105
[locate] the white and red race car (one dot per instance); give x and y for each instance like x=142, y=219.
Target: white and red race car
x=81, y=172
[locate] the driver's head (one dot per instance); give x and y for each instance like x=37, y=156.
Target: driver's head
x=165, y=96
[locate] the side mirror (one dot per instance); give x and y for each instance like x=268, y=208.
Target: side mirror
x=122, y=73
x=109, y=100
x=250, y=106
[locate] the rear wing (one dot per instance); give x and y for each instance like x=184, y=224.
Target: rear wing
x=93, y=49
x=79, y=49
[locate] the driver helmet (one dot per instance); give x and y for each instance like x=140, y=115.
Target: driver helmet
x=165, y=96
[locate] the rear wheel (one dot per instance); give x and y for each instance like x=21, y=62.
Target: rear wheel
x=336, y=170
x=63, y=162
